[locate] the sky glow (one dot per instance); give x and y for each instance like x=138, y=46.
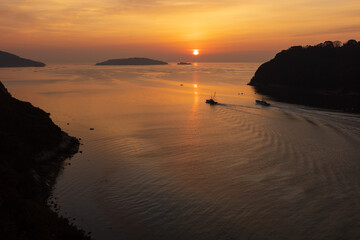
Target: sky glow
x=229, y=30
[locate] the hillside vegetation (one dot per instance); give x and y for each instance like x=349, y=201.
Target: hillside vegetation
x=324, y=75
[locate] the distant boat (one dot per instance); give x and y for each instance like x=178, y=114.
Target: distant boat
x=262, y=102
x=211, y=101
x=184, y=63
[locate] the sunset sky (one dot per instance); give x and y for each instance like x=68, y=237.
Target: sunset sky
x=57, y=31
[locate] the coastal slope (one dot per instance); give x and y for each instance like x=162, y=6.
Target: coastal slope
x=11, y=60
x=132, y=61
x=32, y=150
x=325, y=75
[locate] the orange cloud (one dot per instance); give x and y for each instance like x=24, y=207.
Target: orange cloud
x=215, y=26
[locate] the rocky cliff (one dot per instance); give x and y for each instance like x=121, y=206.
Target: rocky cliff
x=32, y=149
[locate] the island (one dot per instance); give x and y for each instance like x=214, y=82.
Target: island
x=325, y=75
x=132, y=61
x=32, y=152
x=11, y=60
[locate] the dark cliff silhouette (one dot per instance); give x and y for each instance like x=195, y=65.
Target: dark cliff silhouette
x=11, y=60
x=325, y=75
x=132, y=61
x=32, y=149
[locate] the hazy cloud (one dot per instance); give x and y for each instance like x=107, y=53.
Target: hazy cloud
x=355, y=28
x=164, y=25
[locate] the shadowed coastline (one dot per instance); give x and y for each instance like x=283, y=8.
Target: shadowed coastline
x=32, y=151
x=326, y=75
x=11, y=60
x=132, y=61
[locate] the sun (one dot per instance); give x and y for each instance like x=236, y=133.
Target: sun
x=196, y=52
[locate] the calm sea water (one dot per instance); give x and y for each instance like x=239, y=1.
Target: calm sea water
x=162, y=164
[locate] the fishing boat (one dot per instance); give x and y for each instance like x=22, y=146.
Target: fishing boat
x=262, y=102
x=211, y=101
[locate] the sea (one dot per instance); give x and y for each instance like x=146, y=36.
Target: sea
x=157, y=162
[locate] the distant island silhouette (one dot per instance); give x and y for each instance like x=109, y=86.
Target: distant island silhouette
x=132, y=61
x=32, y=151
x=11, y=60
x=325, y=75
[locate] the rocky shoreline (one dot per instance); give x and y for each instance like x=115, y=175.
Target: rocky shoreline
x=32, y=152
x=51, y=162
x=332, y=100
